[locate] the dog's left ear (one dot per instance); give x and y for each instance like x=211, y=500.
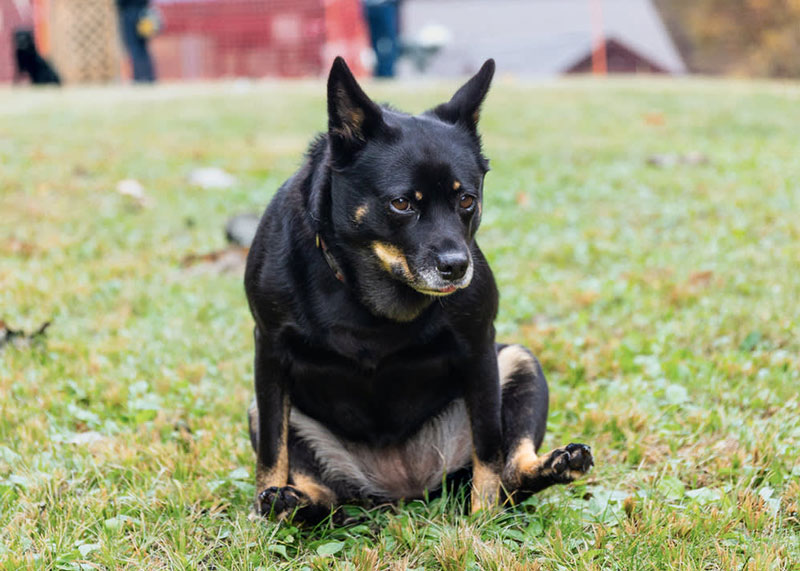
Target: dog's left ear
x=352, y=116
x=465, y=106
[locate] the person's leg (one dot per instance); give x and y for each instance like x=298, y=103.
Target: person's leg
x=127, y=30
x=136, y=46
x=146, y=71
x=382, y=20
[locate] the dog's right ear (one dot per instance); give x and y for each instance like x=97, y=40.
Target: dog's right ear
x=352, y=116
x=465, y=106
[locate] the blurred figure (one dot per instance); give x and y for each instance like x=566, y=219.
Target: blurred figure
x=30, y=62
x=136, y=30
x=382, y=18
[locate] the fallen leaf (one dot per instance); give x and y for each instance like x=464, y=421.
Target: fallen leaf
x=701, y=278
x=655, y=119
x=230, y=260
x=17, y=247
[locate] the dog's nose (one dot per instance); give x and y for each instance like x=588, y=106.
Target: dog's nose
x=452, y=265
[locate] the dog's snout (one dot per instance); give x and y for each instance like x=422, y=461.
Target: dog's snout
x=452, y=265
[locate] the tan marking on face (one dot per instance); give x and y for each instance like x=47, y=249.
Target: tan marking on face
x=485, y=485
x=418, y=195
x=278, y=474
x=480, y=209
x=456, y=185
x=391, y=257
x=360, y=212
x=316, y=491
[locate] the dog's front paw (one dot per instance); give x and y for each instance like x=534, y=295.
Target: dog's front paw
x=278, y=502
x=569, y=463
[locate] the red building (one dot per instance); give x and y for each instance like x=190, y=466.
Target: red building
x=12, y=16
x=201, y=39
x=205, y=39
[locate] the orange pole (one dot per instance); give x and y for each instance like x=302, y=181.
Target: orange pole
x=599, y=58
x=41, y=27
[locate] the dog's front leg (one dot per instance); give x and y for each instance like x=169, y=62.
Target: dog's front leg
x=483, y=400
x=270, y=424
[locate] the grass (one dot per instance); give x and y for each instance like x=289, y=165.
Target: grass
x=663, y=303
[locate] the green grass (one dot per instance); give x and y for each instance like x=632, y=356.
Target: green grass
x=663, y=303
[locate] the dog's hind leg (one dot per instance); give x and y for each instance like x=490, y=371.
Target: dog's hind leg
x=524, y=417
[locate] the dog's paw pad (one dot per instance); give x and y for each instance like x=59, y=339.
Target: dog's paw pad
x=580, y=457
x=279, y=501
x=571, y=462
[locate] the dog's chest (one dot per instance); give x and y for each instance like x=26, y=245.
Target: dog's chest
x=363, y=390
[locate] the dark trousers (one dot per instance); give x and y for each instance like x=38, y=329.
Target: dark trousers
x=135, y=44
x=382, y=20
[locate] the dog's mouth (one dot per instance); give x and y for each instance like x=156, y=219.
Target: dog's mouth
x=437, y=292
x=443, y=291
x=427, y=281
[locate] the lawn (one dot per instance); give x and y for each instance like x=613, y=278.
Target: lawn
x=660, y=293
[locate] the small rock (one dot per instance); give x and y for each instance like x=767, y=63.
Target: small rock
x=241, y=229
x=211, y=178
x=695, y=158
x=133, y=189
x=662, y=161
x=692, y=159
x=85, y=438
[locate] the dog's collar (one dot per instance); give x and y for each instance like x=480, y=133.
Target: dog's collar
x=337, y=271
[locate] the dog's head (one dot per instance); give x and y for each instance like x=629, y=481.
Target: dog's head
x=23, y=41
x=406, y=192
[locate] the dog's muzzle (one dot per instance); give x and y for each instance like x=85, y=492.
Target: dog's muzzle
x=451, y=273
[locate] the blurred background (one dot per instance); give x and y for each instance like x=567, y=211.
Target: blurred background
x=96, y=41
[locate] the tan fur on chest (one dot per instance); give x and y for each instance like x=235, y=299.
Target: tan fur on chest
x=406, y=470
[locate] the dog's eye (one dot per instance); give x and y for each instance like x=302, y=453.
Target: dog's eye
x=401, y=204
x=466, y=201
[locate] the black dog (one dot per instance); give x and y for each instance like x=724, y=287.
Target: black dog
x=30, y=62
x=376, y=368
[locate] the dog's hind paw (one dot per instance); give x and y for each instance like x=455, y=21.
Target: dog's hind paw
x=279, y=502
x=569, y=463
x=559, y=466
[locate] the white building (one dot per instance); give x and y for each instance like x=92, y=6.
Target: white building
x=541, y=37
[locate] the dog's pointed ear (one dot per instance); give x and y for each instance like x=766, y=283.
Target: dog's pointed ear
x=465, y=106
x=352, y=116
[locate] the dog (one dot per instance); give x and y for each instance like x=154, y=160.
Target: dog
x=377, y=375
x=30, y=62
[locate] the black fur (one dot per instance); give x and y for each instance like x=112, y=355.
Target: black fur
x=366, y=319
